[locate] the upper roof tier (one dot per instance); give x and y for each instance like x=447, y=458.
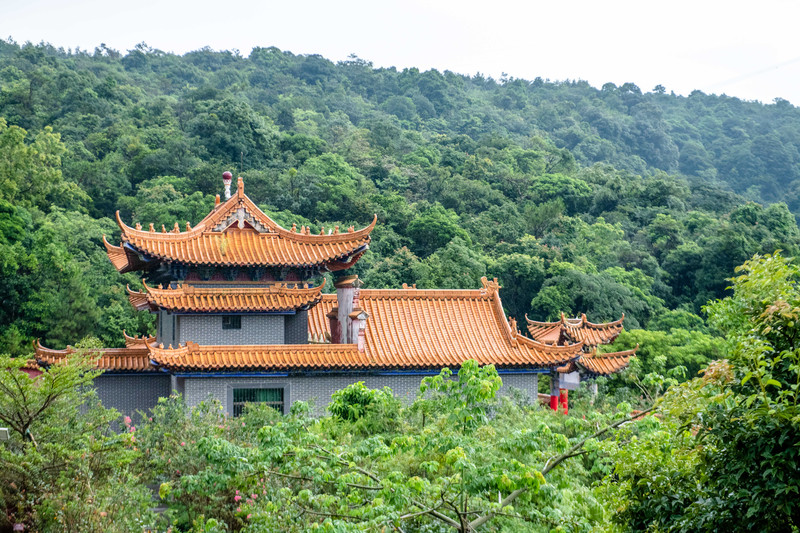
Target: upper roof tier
x=237, y=234
x=199, y=299
x=569, y=330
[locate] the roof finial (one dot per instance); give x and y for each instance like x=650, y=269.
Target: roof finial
x=240, y=185
x=227, y=179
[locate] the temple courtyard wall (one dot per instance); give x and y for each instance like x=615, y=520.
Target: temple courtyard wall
x=134, y=392
x=129, y=393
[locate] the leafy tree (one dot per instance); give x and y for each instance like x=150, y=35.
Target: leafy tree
x=434, y=228
x=30, y=174
x=521, y=277
x=575, y=193
x=62, y=469
x=452, y=267
x=737, y=468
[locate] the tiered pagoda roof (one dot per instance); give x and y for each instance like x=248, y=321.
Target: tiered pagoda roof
x=213, y=299
x=237, y=234
x=569, y=330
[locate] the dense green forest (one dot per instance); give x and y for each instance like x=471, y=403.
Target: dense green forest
x=578, y=199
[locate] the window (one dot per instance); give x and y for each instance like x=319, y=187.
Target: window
x=232, y=322
x=271, y=397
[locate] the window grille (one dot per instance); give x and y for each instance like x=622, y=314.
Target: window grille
x=232, y=322
x=271, y=397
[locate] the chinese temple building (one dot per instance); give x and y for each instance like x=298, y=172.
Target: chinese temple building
x=241, y=319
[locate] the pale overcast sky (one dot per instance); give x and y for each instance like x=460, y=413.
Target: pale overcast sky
x=746, y=49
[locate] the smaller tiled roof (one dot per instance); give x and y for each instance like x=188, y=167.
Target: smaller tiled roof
x=190, y=298
x=134, y=357
x=607, y=363
x=267, y=357
x=31, y=365
x=569, y=330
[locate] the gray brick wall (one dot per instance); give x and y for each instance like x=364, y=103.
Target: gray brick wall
x=166, y=329
x=132, y=392
x=296, y=330
x=207, y=330
x=320, y=387
x=527, y=383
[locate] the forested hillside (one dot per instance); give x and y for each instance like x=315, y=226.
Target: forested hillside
x=578, y=199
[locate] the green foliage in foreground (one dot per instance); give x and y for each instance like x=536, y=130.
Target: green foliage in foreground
x=439, y=465
x=457, y=458
x=727, y=457
x=65, y=469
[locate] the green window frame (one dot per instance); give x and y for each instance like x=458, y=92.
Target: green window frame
x=272, y=397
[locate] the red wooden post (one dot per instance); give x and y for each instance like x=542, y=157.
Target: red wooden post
x=565, y=400
x=554, y=387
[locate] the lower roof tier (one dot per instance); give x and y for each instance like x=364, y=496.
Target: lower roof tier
x=199, y=299
x=135, y=357
x=403, y=329
x=595, y=364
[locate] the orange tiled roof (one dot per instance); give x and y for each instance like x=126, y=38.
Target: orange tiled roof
x=31, y=364
x=607, y=363
x=135, y=356
x=415, y=328
x=190, y=298
x=268, y=357
x=575, y=330
x=599, y=364
x=238, y=233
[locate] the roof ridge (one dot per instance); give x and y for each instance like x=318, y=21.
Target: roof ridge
x=423, y=293
x=206, y=226
x=603, y=325
x=550, y=347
